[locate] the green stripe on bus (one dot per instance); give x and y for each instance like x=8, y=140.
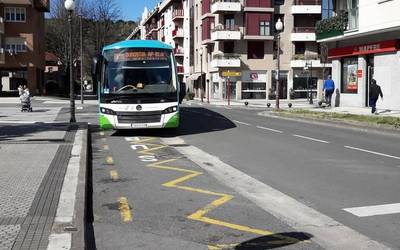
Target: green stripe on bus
x=173, y=122
x=105, y=123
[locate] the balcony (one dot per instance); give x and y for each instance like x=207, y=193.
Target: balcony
x=306, y=7
x=332, y=27
x=222, y=32
x=42, y=5
x=1, y=25
x=225, y=61
x=225, y=6
x=300, y=60
x=303, y=34
x=179, y=52
x=177, y=33
x=177, y=14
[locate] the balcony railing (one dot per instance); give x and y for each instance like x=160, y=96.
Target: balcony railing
x=331, y=27
x=226, y=28
x=225, y=60
x=226, y=56
x=177, y=33
x=304, y=30
x=304, y=57
x=178, y=13
x=178, y=51
x=307, y=2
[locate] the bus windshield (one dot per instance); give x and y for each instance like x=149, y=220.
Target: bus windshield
x=138, y=71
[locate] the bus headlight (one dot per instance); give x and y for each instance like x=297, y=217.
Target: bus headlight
x=170, y=110
x=107, y=111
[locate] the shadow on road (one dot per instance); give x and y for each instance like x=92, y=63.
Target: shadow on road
x=193, y=121
x=274, y=241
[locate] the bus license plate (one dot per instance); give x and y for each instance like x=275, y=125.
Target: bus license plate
x=139, y=125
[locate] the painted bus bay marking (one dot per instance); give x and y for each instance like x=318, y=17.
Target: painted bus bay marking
x=374, y=210
x=114, y=175
x=109, y=160
x=125, y=210
x=199, y=215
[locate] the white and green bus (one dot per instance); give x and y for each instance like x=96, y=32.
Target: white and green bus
x=138, y=85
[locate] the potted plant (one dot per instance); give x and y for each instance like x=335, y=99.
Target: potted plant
x=292, y=93
x=271, y=94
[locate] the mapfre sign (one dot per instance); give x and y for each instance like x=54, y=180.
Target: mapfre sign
x=254, y=76
x=372, y=48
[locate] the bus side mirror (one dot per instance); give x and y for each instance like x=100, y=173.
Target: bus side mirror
x=96, y=69
x=182, y=91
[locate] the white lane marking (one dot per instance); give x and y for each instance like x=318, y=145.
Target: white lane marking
x=270, y=129
x=243, y=123
x=60, y=241
x=228, y=108
x=310, y=138
x=327, y=232
x=372, y=152
x=79, y=108
x=374, y=210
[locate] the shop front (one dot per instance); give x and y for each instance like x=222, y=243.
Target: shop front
x=354, y=67
x=254, y=84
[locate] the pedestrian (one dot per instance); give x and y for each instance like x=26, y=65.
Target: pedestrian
x=20, y=90
x=329, y=87
x=374, y=92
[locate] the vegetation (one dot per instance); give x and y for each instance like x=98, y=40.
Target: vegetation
x=392, y=122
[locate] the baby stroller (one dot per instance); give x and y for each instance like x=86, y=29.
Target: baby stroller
x=26, y=103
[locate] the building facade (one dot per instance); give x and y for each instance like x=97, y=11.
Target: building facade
x=364, y=46
x=22, y=53
x=229, y=49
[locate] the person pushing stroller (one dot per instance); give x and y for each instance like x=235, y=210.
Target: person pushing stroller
x=25, y=97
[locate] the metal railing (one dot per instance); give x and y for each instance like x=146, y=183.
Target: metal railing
x=226, y=56
x=225, y=1
x=304, y=29
x=226, y=28
x=177, y=13
x=305, y=57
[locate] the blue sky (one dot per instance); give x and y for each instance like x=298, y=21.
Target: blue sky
x=132, y=9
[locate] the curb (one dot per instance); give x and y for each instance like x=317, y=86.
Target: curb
x=338, y=124
x=69, y=228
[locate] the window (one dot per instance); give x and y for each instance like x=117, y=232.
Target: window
x=229, y=22
x=327, y=8
x=16, y=47
x=264, y=28
x=349, y=75
x=300, y=48
x=279, y=2
x=255, y=50
x=229, y=47
x=14, y=14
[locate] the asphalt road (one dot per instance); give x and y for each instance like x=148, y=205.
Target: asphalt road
x=150, y=195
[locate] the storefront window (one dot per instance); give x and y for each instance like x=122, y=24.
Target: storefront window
x=254, y=90
x=349, y=75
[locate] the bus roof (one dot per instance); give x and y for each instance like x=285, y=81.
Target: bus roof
x=154, y=44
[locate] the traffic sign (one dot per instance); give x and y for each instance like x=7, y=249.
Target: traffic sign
x=231, y=73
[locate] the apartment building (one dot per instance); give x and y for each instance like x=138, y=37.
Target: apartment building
x=22, y=55
x=169, y=22
x=238, y=36
x=363, y=40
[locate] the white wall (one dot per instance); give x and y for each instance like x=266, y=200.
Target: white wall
x=378, y=14
x=387, y=75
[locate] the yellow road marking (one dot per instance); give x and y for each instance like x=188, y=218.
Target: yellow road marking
x=222, y=247
x=114, y=175
x=199, y=215
x=109, y=160
x=125, y=210
x=106, y=147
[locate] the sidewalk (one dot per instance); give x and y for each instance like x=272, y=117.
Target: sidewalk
x=302, y=104
x=41, y=163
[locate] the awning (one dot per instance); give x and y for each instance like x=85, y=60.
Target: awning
x=194, y=76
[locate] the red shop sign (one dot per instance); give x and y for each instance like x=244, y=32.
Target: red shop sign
x=372, y=48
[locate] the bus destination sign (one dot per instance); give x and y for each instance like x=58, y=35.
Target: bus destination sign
x=140, y=56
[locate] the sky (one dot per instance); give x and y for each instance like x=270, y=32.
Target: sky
x=133, y=9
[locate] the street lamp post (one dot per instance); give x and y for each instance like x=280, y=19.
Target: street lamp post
x=279, y=28
x=70, y=7
x=81, y=38
x=201, y=74
x=308, y=69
